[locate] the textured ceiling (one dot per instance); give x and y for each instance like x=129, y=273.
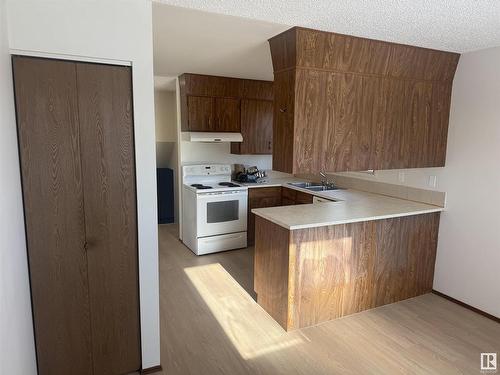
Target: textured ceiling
x=452, y=25
x=209, y=42
x=190, y=41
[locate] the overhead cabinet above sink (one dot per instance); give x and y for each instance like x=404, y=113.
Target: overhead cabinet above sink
x=344, y=103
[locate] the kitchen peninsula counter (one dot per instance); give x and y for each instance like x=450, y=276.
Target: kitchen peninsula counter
x=317, y=262
x=351, y=206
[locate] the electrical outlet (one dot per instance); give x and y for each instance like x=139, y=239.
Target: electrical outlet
x=432, y=181
x=401, y=176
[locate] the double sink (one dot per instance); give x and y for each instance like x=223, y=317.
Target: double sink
x=313, y=186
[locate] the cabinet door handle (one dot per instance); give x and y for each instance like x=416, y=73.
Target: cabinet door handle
x=269, y=145
x=88, y=243
x=282, y=110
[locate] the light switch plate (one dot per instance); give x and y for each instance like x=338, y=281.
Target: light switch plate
x=401, y=176
x=432, y=181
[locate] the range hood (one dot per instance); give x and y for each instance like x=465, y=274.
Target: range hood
x=212, y=137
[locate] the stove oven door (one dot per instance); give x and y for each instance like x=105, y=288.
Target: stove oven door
x=221, y=212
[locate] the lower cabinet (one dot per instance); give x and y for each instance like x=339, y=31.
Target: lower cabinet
x=260, y=197
x=303, y=198
x=291, y=196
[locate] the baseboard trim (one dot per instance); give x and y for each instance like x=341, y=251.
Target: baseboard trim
x=463, y=304
x=151, y=370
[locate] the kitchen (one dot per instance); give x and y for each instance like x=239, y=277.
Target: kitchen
x=328, y=225
x=240, y=188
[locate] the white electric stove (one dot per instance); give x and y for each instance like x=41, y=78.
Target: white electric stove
x=214, y=209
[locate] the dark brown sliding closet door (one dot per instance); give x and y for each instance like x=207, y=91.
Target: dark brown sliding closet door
x=47, y=118
x=106, y=128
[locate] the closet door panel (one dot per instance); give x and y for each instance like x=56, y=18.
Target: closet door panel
x=106, y=126
x=47, y=119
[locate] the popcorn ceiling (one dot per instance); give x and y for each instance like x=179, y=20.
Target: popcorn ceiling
x=450, y=25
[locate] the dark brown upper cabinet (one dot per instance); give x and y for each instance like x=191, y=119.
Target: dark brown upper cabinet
x=256, y=128
x=201, y=113
x=227, y=114
x=223, y=104
x=344, y=103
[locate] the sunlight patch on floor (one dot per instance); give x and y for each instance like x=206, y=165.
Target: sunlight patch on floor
x=251, y=330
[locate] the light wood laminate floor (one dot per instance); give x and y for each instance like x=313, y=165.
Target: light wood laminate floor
x=211, y=324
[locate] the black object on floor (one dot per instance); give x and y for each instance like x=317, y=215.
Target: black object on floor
x=165, y=185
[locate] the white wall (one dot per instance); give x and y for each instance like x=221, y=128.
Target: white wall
x=417, y=177
x=469, y=244
x=194, y=152
x=17, y=350
x=165, y=116
x=166, y=137
x=115, y=30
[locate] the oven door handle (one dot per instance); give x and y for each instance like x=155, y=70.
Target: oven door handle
x=222, y=194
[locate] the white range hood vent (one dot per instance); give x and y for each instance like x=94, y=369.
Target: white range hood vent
x=212, y=137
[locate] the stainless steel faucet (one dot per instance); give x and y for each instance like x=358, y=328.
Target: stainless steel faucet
x=325, y=180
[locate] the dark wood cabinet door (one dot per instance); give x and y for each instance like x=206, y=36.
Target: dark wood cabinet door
x=253, y=89
x=283, y=121
x=256, y=127
x=374, y=105
x=292, y=196
x=201, y=113
x=260, y=197
x=205, y=85
x=303, y=198
x=213, y=104
x=106, y=127
x=287, y=201
x=49, y=148
x=288, y=196
x=227, y=115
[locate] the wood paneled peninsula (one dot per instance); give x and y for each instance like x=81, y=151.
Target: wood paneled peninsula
x=318, y=262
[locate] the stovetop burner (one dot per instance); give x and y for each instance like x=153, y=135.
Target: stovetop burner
x=200, y=186
x=228, y=184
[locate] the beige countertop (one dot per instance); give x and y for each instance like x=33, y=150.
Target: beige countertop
x=351, y=206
